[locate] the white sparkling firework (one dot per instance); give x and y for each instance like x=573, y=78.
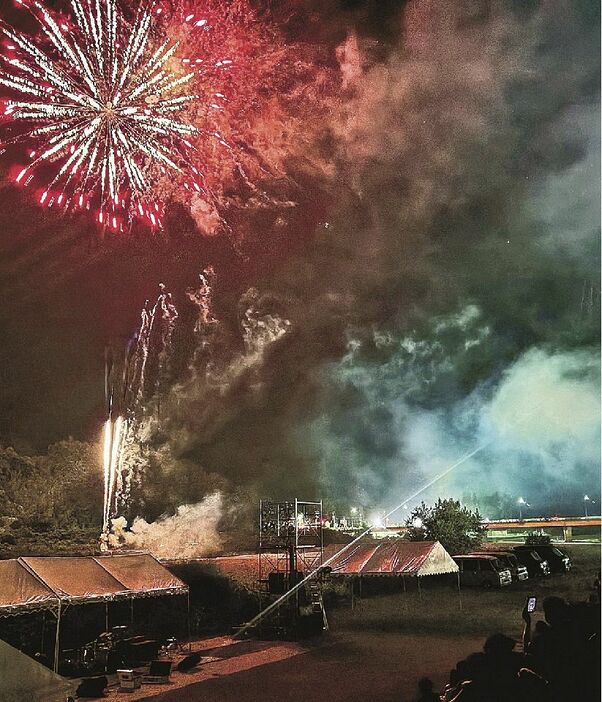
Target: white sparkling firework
x=100, y=103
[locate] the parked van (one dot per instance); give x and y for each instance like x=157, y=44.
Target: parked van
x=482, y=571
x=558, y=561
x=510, y=561
x=536, y=565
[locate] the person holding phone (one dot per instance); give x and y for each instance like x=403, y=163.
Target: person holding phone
x=528, y=609
x=552, y=647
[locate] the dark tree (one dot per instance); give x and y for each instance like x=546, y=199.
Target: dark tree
x=457, y=528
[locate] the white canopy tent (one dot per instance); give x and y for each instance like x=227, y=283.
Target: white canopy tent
x=55, y=583
x=22, y=678
x=392, y=558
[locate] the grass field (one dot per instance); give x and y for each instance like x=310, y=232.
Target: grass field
x=474, y=612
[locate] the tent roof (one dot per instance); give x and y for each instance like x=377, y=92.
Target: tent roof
x=391, y=557
x=76, y=578
x=20, y=589
x=23, y=678
x=43, y=582
x=141, y=573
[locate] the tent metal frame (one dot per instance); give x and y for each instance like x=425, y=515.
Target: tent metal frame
x=59, y=606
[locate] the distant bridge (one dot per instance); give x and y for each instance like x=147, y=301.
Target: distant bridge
x=567, y=524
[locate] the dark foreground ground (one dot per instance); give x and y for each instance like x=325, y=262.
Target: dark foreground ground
x=349, y=666
x=378, y=650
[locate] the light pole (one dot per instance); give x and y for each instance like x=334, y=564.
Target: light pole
x=586, y=499
x=521, y=501
x=354, y=518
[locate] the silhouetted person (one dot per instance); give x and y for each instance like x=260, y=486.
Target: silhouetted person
x=500, y=668
x=554, y=649
x=468, y=681
x=532, y=687
x=425, y=690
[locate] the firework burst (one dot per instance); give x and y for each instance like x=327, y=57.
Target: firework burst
x=99, y=96
x=120, y=110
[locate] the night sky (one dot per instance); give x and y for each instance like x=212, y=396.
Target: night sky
x=434, y=246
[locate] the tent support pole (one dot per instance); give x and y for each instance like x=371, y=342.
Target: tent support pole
x=419, y=588
x=352, y=594
x=131, y=611
x=106, y=616
x=459, y=590
x=57, y=638
x=403, y=581
x=43, y=630
x=188, y=620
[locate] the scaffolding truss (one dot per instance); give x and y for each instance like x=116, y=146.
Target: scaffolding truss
x=291, y=546
x=290, y=538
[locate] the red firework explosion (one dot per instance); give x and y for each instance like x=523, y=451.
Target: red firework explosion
x=121, y=109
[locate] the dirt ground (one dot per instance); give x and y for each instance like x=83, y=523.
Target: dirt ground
x=346, y=666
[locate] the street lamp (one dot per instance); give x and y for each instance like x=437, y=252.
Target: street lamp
x=521, y=501
x=586, y=499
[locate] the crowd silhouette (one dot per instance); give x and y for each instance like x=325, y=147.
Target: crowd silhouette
x=558, y=661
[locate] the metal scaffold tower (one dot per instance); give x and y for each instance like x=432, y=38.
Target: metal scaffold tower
x=291, y=545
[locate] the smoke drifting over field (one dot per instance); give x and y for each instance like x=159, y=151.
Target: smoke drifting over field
x=451, y=292
x=450, y=286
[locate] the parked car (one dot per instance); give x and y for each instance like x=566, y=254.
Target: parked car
x=482, y=571
x=508, y=560
x=535, y=564
x=558, y=561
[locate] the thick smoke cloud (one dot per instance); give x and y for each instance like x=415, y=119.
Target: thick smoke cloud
x=538, y=426
x=452, y=289
x=192, y=531
x=469, y=239
x=450, y=286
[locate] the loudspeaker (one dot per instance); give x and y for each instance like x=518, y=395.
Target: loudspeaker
x=276, y=584
x=295, y=577
x=160, y=668
x=189, y=662
x=145, y=650
x=92, y=687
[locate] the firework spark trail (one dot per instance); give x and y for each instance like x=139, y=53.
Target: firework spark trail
x=169, y=317
x=115, y=453
x=274, y=605
x=145, y=364
x=202, y=297
x=104, y=118
x=106, y=462
x=141, y=353
x=146, y=337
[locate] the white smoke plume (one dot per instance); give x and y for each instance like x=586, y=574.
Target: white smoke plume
x=538, y=420
x=563, y=389
x=260, y=329
x=192, y=532
x=540, y=427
